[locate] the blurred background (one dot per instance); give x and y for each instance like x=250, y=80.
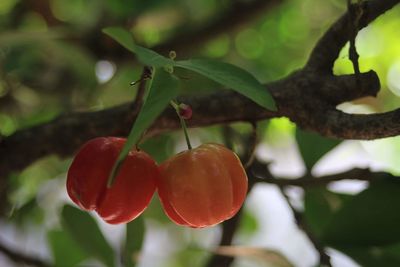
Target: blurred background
x=54, y=59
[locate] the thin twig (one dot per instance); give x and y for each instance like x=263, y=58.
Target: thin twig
x=137, y=103
x=355, y=12
x=251, y=146
x=22, y=258
x=259, y=172
x=227, y=133
x=139, y=98
x=229, y=228
x=324, y=259
x=248, y=141
x=329, y=45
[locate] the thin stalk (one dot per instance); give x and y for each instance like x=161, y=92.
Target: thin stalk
x=183, y=124
x=185, y=131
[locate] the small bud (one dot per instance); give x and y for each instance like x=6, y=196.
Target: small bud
x=172, y=54
x=185, y=111
x=169, y=68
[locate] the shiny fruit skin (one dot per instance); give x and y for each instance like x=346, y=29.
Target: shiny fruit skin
x=133, y=187
x=203, y=186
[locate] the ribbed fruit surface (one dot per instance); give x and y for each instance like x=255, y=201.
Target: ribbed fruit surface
x=203, y=186
x=131, y=191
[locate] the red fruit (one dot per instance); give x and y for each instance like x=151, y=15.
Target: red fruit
x=133, y=187
x=203, y=186
x=185, y=111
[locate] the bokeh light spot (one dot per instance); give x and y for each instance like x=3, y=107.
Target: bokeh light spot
x=6, y=6
x=249, y=44
x=7, y=125
x=218, y=47
x=105, y=70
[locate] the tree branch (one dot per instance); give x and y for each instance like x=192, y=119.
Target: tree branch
x=146, y=74
x=328, y=47
x=22, y=258
x=67, y=133
x=229, y=228
x=324, y=259
x=258, y=172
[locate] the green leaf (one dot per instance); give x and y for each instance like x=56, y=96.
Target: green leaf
x=131, y=8
x=123, y=37
x=361, y=226
x=370, y=218
x=226, y=74
x=66, y=252
x=85, y=231
x=374, y=256
x=320, y=206
x=123, y=8
x=313, y=146
x=163, y=89
x=146, y=56
x=134, y=240
x=28, y=213
x=231, y=77
x=159, y=147
x=155, y=211
x=248, y=223
x=151, y=58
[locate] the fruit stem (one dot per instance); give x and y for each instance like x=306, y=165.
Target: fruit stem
x=185, y=131
x=183, y=123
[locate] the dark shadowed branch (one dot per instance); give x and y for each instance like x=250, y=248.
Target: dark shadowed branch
x=324, y=259
x=258, y=172
x=21, y=258
x=65, y=134
x=230, y=227
x=228, y=231
x=330, y=44
x=137, y=103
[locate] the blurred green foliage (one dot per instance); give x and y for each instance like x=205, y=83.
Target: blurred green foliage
x=62, y=244
x=313, y=146
x=363, y=226
x=135, y=231
x=84, y=230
